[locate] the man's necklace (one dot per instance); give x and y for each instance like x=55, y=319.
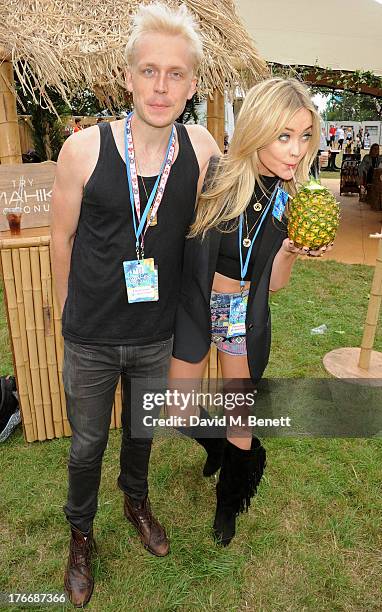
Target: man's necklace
x=151, y=221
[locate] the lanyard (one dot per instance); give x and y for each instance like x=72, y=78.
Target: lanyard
x=156, y=193
x=244, y=268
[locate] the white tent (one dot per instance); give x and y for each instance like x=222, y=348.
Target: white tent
x=336, y=34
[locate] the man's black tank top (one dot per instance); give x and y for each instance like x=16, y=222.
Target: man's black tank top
x=97, y=310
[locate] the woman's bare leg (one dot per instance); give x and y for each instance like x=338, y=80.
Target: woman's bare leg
x=185, y=377
x=236, y=366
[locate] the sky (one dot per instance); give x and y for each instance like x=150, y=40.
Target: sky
x=321, y=99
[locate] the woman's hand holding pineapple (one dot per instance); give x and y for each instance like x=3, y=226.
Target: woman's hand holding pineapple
x=289, y=247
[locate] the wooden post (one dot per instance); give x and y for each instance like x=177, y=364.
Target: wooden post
x=215, y=117
x=10, y=149
x=372, y=313
x=363, y=365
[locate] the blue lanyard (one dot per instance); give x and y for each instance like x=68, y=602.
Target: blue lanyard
x=244, y=268
x=138, y=231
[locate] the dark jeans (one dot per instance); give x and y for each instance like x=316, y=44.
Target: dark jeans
x=91, y=375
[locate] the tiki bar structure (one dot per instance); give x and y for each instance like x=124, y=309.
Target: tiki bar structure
x=69, y=47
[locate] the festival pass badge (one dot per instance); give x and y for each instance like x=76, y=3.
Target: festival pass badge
x=281, y=200
x=237, y=314
x=141, y=277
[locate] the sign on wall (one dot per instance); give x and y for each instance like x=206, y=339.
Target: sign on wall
x=28, y=186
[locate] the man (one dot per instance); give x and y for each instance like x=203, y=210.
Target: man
x=340, y=137
x=332, y=135
x=114, y=325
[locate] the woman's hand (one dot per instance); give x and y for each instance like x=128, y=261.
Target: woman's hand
x=289, y=247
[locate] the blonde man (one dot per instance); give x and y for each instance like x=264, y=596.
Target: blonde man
x=104, y=233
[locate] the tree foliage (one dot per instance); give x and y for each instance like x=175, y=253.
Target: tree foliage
x=347, y=106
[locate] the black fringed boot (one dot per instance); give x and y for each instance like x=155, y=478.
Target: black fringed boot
x=214, y=447
x=240, y=476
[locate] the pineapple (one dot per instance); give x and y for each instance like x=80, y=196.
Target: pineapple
x=313, y=216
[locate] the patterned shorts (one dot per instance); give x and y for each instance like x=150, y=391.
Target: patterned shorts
x=220, y=307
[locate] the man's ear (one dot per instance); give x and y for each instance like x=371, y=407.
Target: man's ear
x=193, y=87
x=128, y=80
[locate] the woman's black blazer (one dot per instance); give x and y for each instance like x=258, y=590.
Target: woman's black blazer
x=192, y=337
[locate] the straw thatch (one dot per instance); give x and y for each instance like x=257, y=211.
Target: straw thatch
x=79, y=44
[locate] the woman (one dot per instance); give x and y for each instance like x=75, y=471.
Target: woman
x=238, y=251
x=370, y=162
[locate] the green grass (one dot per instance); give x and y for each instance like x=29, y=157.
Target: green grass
x=6, y=364
x=329, y=174
x=311, y=541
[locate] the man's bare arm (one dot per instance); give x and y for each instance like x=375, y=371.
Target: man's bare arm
x=66, y=206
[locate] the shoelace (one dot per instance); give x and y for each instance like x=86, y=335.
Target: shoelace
x=81, y=553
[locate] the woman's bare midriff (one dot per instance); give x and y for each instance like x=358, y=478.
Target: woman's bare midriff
x=223, y=284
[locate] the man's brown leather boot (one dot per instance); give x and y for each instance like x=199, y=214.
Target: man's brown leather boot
x=78, y=578
x=151, y=532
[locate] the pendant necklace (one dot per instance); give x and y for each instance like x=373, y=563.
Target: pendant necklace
x=154, y=220
x=246, y=240
x=258, y=206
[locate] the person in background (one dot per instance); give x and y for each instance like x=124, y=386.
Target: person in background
x=349, y=140
x=368, y=164
x=366, y=140
x=77, y=125
x=360, y=136
x=332, y=135
x=340, y=137
x=357, y=147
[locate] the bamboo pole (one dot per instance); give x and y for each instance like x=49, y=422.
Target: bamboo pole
x=60, y=357
x=40, y=337
x=118, y=405
x=372, y=313
x=24, y=340
x=216, y=118
x=112, y=416
x=213, y=362
x=10, y=148
x=32, y=343
x=14, y=326
x=47, y=307
x=18, y=243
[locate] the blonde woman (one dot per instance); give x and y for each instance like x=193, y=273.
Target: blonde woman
x=238, y=251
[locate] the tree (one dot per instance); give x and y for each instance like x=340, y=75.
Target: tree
x=48, y=129
x=190, y=111
x=347, y=106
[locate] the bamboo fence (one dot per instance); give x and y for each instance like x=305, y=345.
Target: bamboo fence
x=36, y=340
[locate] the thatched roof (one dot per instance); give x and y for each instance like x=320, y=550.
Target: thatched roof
x=79, y=44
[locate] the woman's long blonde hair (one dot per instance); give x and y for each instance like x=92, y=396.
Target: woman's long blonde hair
x=267, y=109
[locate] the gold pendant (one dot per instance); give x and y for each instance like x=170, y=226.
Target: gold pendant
x=153, y=221
x=257, y=206
x=246, y=242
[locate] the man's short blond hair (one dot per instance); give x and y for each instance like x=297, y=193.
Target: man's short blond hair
x=161, y=19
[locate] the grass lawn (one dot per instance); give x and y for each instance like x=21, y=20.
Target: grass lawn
x=329, y=174
x=311, y=541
